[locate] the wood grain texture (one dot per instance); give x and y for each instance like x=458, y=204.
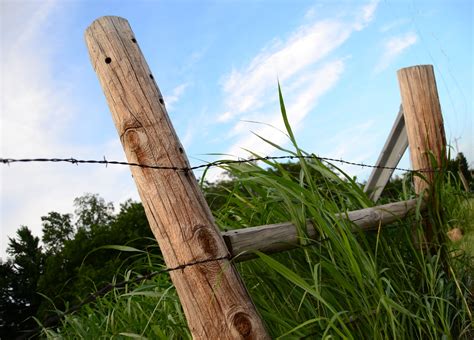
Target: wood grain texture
x=423, y=120
x=278, y=237
x=214, y=299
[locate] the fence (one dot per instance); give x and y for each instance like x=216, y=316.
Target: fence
x=218, y=305
x=197, y=255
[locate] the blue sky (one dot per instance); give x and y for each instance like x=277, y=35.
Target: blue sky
x=217, y=64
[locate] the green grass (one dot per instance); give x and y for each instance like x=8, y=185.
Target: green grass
x=150, y=309
x=467, y=242
x=374, y=285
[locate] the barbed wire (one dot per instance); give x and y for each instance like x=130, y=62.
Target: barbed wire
x=53, y=320
x=217, y=163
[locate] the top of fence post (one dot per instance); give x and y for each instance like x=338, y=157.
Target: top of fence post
x=214, y=299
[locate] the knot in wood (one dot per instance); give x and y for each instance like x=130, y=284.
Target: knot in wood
x=243, y=325
x=205, y=239
x=135, y=142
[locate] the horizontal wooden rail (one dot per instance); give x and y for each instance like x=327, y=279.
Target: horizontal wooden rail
x=279, y=237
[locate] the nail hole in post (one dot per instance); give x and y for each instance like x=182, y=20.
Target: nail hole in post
x=162, y=101
x=108, y=60
x=151, y=76
x=181, y=150
x=134, y=40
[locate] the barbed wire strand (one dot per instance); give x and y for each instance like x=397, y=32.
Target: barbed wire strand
x=53, y=320
x=218, y=163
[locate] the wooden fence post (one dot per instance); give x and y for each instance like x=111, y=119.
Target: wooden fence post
x=423, y=120
x=424, y=124
x=215, y=300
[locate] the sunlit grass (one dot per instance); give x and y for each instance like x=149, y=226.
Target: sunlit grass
x=374, y=285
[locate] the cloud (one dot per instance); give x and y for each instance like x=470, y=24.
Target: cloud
x=38, y=113
x=311, y=12
x=309, y=91
x=393, y=47
x=366, y=15
x=300, y=64
x=246, y=89
x=226, y=116
x=393, y=24
x=175, y=95
x=36, y=16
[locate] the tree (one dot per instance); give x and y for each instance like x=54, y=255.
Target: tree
x=80, y=266
x=19, y=284
x=459, y=167
x=92, y=210
x=8, y=309
x=57, y=229
x=27, y=256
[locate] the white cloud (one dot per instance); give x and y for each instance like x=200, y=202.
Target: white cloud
x=175, y=95
x=393, y=24
x=311, y=12
x=298, y=64
x=315, y=86
x=393, y=47
x=37, y=116
x=226, y=116
x=246, y=89
x=366, y=15
x=310, y=89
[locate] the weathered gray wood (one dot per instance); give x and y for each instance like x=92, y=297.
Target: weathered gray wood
x=214, y=299
x=283, y=236
x=392, y=152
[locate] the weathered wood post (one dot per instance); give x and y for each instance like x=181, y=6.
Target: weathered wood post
x=214, y=299
x=423, y=119
x=424, y=124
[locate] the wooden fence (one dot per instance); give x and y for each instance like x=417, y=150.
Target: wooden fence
x=214, y=298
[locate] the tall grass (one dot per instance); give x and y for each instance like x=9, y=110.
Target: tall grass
x=348, y=285
x=141, y=310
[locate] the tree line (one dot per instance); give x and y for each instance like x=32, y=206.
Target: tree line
x=56, y=272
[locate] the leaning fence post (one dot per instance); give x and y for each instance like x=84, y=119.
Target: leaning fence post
x=424, y=124
x=215, y=300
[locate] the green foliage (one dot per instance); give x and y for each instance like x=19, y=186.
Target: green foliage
x=19, y=283
x=84, y=264
x=10, y=313
x=92, y=212
x=73, y=262
x=459, y=168
x=350, y=285
x=150, y=309
x=57, y=230
x=346, y=284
